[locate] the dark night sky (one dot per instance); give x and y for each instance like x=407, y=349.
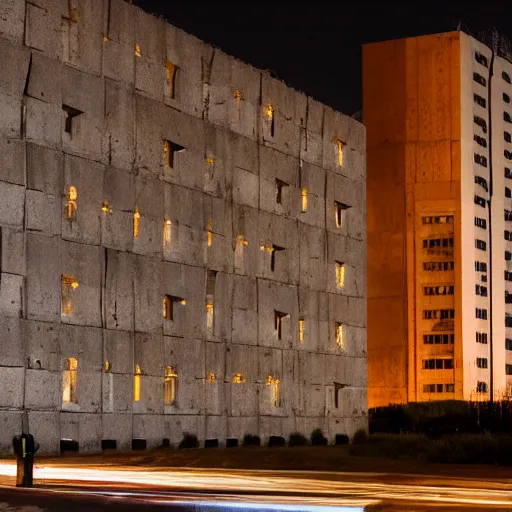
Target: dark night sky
x=318, y=49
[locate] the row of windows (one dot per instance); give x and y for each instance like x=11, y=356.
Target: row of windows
x=481, y=141
x=480, y=266
x=431, y=243
x=481, y=244
x=480, y=201
x=481, y=313
x=481, y=290
x=480, y=160
x=481, y=337
x=480, y=223
x=170, y=383
x=438, y=388
x=438, y=265
x=438, y=364
x=482, y=182
x=481, y=362
x=437, y=219
x=438, y=339
x=438, y=290
x=438, y=314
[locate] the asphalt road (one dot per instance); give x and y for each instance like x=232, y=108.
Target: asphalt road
x=67, y=487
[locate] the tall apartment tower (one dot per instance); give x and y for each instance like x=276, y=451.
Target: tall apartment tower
x=438, y=114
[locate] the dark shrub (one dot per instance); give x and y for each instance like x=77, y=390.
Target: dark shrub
x=166, y=443
x=189, y=441
x=318, y=438
x=297, y=439
x=275, y=441
x=360, y=437
x=341, y=439
x=251, y=440
x=232, y=442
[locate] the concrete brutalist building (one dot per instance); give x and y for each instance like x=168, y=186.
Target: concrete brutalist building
x=183, y=243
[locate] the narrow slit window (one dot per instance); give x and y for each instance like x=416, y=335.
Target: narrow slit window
x=172, y=73
x=271, y=117
x=275, y=250
x=70, y=114
x=170, y=151
x=136, y=383
x=340, y=210
x=209, y=232
x=137, y=50
x=301, y=330
x=69, y=381
x=71, y=203
x=280, y=186
x=68, y=286
x=340, y=274
x=340, y=341
x=167, y=236
x=274, y=385
x=210, y=298
x=278, y=323
x=339, y=145
x=170, y=385
x=304, y=193
x=136, y=223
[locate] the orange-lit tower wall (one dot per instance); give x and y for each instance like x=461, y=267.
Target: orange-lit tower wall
x=411, y=108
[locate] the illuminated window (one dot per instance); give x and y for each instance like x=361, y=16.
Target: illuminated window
x=240, y=243
x=339, y=145
x=340, y=274
x=271, y=117
x=70, y=114
x=168, y=305
x=68, y=285
x=278, y=323
x=136, y=383
x=276, y=249
x=69, y=381
x=172, y=73
x=304, y=193
x=280, y=185
x=170, y=386
x=136, y=222
x=137, y=50
x=107, y=368
x=301, y=330
x=106, y=208
x=274, y=390
x=72, y=198
x=170, y=150
x=167, y=232
x=238, y=378
x=209, y=232
x=211, y=378
x=339, y=335
x=339, y=210
x=210, y=294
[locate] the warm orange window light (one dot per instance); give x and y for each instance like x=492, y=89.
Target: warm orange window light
x=210, y=232
x=137, y=50
x=339, y=335
x=304, y=193
x=238, y=378
x=68, y=284
x=170, y=385
x=340, y=274
x=339, y=152
x=72, y=197
x=106, y=208
x=274, y=386
x=167, y=232
x=211, y=378
x=172, y=73
x=136, y=222
x=136, y=383
x=69, y=381
x=301, y=330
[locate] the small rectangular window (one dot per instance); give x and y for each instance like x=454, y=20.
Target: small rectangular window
x=278, y=323
x=340, y=274
x=70, y=114
x=339, y=335
x=171, y=149
x=481, y=59
x=172, y=73
x=479, y=79
x=69, y=380
x=481, y=141
x=339, y=145
x=170, y=385
x=280, y=185
x=301, y=330
x=304, y=194
x=506, y=98
x=136, y=383
x=479, y=100
x=480, y=122
x=340, y=209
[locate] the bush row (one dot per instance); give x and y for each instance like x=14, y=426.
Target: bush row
x=317, y=438
x=455, y=449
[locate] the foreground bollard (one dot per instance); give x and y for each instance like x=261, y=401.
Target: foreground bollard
x=24, y=449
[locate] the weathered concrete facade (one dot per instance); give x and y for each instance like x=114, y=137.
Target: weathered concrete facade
x=182, y=238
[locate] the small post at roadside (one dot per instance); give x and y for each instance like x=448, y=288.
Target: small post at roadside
x=24, y=448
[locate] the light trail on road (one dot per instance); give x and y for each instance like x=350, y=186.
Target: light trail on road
x=293, y=488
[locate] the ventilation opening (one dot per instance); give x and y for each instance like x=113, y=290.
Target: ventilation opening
x=170, y=151
x=69, y=445
x=211, y=443
x=139, y=444
x=70, y=114
x=108, y=444
x=231, y=443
